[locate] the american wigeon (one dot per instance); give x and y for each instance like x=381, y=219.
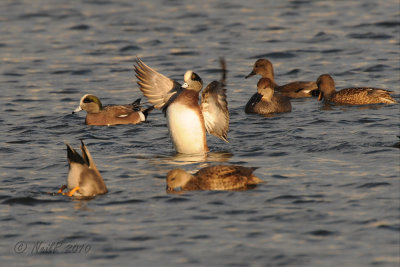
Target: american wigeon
x=99, y=115
x=297, y=89
x=351, y=96
x=84, y=179
x=187, y=121
x=266, y=101
x=220, y=177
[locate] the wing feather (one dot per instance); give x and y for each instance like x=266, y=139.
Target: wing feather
x=214, y=107
x=156, y=87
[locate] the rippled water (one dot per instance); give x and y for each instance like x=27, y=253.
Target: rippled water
x=332, y=191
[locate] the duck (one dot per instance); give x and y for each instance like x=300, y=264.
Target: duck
x=297, y=89
x=219, y=177
x=266, y=101
x=100, y=115
x=187, y=120
x=84, y=179
x=351, y=96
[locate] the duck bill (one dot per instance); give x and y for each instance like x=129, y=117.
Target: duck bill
x=320, y=96
x=77, y=110
x=250, y=74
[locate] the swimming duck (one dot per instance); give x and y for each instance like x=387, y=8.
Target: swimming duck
x=187, y=121
x=296, y=89
x=99, y=115
x=265, y=101
x=220, y=177
x=351, y=96
x=84, y=179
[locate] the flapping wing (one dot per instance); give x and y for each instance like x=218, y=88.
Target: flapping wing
x=214, y=106
x=215, y=110
x=156, y=87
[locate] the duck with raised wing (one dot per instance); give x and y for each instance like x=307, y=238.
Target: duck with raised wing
x=220, y=177
x=187, y=121
x=84, y=179
x=351, y=96
x=100, y=115
x=297, y=89
x=266, y=101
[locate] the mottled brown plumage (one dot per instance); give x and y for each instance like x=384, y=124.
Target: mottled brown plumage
x=351, y=96
x=265, y=101
x=297, y=89
x=220, y=177
x=100, y=115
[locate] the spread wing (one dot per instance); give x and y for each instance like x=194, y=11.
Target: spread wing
x=214, y=107
x=159, y=89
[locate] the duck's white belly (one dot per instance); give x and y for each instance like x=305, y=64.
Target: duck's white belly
x=185, y=128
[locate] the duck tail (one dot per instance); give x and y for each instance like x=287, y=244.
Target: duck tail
x=73, y=156
x=147, y=111
x=136, y=104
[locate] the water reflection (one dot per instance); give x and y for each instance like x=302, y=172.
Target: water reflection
x=184, y=159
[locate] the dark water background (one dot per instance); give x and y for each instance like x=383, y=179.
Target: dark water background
x=332, y=191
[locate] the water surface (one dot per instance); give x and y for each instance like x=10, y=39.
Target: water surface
x=331, y=196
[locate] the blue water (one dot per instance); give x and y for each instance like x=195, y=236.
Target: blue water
x=331, y=196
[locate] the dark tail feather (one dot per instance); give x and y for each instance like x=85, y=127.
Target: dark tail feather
x=147, y=111
x=136, y=104
x=73, y=156
x=315, y=92
x=84, y=154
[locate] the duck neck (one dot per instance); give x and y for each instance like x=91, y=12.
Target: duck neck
x=267, y=94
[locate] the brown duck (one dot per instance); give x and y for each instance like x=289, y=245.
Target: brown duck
x=84, y=179
x=351, y=96
x=219, y=177
x=297, y=89
x=265, y=101
x=100, y=115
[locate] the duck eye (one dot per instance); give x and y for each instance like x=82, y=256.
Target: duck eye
x=87, y=100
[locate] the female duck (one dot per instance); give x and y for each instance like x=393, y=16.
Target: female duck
x=265, y=101
x=84, y=179
x=295, y=89
x=351, y=96
x=220, y=177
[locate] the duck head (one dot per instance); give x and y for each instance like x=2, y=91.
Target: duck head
x=192, y=81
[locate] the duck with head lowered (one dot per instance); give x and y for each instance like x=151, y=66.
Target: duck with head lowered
x=187, y=120
x=219, y=177
x=84, y=179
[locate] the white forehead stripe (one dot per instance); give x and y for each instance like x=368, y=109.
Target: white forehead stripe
x=188, y=76
x=83, y=97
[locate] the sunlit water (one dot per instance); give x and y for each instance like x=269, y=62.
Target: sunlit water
x=331, y=196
